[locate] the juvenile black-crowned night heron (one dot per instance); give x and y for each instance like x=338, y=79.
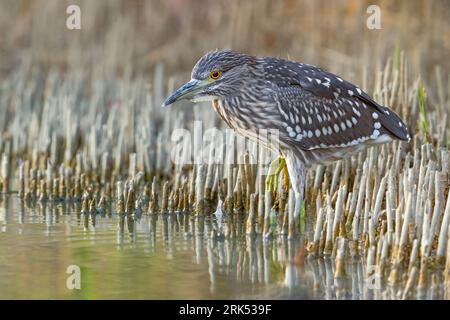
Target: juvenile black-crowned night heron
x=319, y=116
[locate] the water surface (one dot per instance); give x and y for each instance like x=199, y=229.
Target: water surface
x=172, y=256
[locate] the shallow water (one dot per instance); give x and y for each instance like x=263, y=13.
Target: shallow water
x=157, y=257
x=153, y=257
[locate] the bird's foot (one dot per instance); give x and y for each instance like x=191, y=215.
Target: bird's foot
x=275, y=168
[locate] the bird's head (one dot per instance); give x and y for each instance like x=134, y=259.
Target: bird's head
x=216, y=75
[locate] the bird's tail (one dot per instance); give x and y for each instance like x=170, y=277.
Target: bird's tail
x=394, y=124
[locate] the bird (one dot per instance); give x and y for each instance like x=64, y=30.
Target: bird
x=318, y=117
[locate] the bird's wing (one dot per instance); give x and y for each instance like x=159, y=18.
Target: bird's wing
x=312, y=122
x=303, y=82
x=320, y=110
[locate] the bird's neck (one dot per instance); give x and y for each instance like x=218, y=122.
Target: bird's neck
x=219, y=108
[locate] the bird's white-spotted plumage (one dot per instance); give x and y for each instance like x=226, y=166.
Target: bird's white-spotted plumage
x=320, y=116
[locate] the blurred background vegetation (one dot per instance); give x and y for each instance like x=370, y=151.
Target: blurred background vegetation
x=133, y=36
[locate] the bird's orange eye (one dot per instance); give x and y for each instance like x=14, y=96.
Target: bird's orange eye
x=215, y=74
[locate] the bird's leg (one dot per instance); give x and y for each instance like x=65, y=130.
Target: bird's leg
x=275, y=168
x=286, y=176
x=297, y=175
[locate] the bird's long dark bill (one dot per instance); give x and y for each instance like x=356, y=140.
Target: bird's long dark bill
x=187, y=91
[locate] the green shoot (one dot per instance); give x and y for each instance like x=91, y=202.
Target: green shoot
x=424, y=124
